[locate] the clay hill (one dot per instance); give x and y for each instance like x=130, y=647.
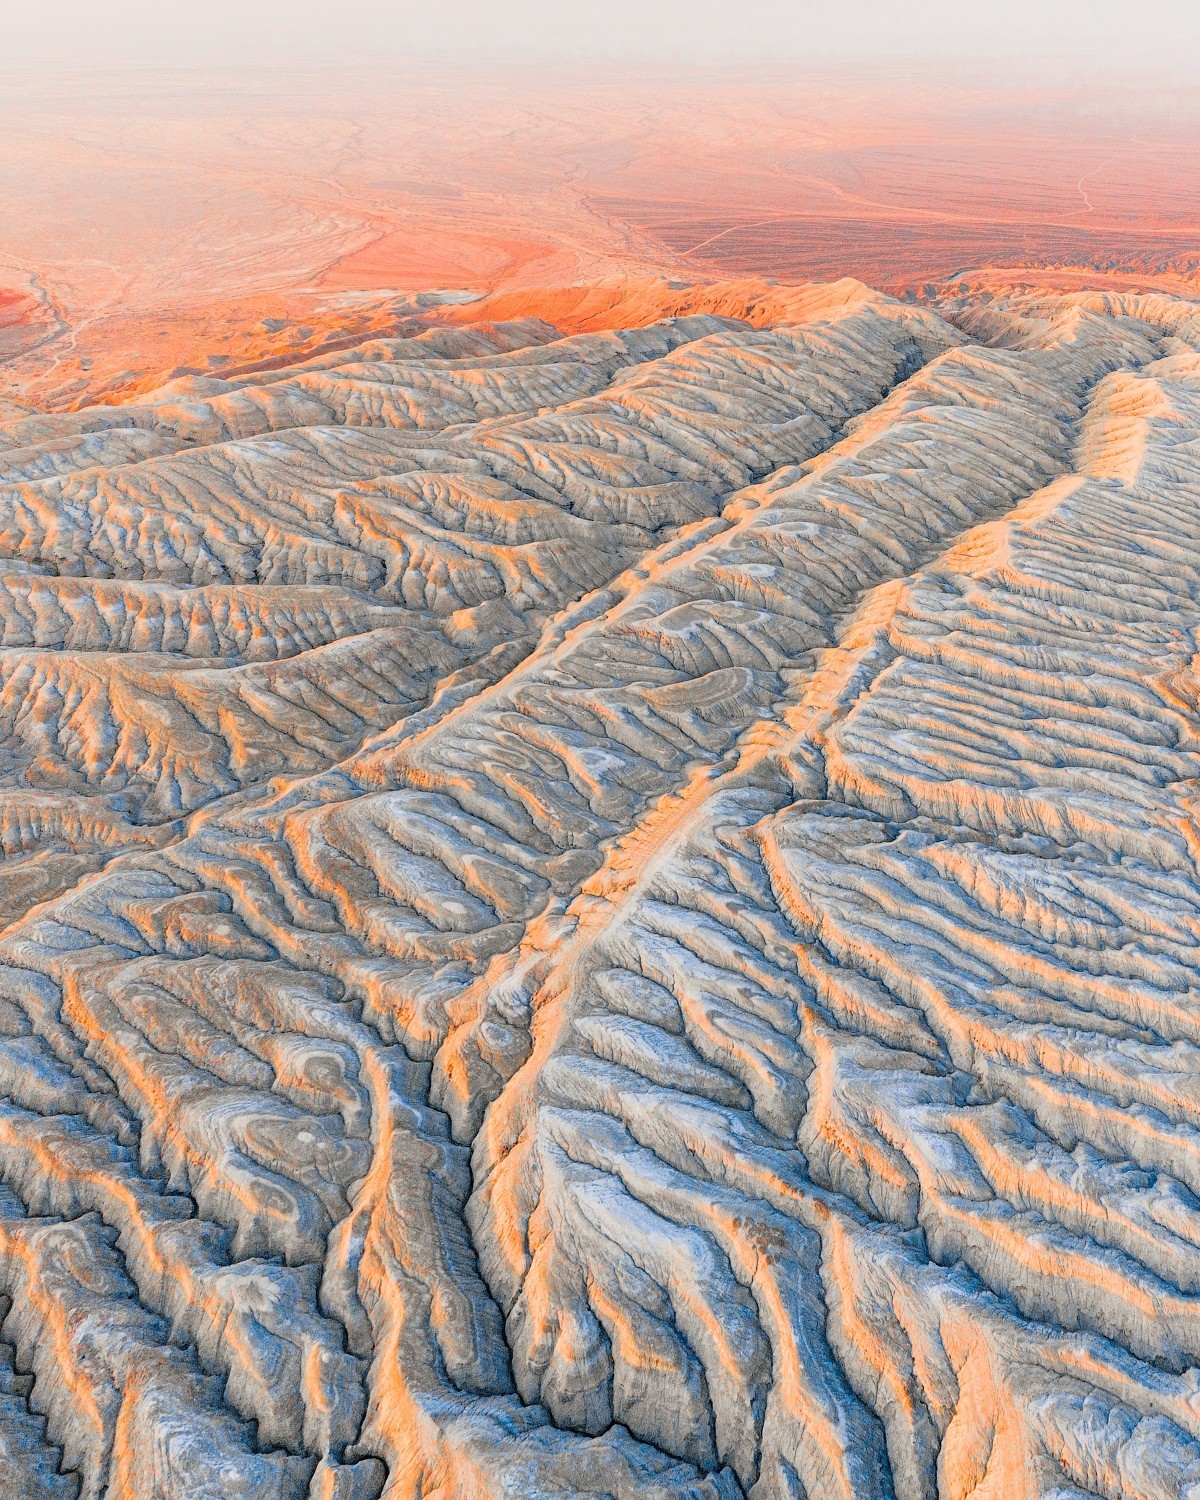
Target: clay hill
x=610, y=910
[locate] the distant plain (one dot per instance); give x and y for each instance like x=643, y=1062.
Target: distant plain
x=190, y=222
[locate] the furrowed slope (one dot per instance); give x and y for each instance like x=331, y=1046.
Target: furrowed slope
x=609, y=915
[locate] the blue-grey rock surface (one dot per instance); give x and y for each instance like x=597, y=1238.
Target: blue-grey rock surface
x=613, y=915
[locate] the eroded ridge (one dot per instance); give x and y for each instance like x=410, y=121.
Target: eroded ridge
x=610, y=915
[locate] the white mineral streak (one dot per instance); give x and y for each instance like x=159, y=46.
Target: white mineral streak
x=610, y=916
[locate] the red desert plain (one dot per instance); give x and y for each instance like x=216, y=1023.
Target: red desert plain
x=599, y=776
x=200, y=223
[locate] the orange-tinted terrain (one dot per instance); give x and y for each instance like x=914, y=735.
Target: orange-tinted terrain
x=195, y=223
x=599, y=820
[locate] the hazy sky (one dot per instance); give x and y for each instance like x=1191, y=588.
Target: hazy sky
x=133, y=32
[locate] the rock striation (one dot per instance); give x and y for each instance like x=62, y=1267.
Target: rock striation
x=610, y=915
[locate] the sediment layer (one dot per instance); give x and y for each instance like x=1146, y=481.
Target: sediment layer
x=610, y=915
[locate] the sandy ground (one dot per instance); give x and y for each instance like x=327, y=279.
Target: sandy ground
x=189, y=224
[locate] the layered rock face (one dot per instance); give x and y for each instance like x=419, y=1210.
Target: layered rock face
x=610, y=915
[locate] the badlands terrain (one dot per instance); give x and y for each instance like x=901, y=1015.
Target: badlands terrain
x=605, y=902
